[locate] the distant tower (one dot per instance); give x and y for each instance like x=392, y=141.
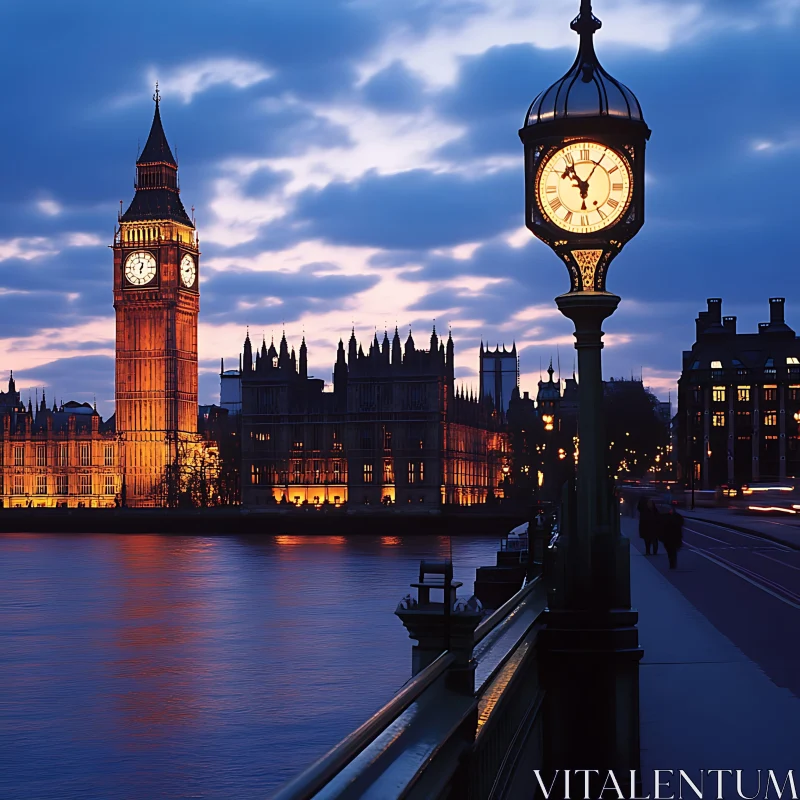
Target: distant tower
x=157, y=302
x=499, y=374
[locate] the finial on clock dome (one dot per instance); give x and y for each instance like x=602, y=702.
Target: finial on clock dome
x=586, y=90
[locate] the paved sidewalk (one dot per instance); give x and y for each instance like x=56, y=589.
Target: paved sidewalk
x=703, y=703
x=785, y=529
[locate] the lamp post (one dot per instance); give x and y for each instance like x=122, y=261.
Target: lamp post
x=584, y=141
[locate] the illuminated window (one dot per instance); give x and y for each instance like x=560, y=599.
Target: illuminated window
x=337, y=471
x=716, y=365
x=41, y=456
x=388, y=471
x=41, y=484
x=19, y=456
x=62, y=484
x=422, y=470
x=367, y=473
x=297, y=471
x=411, y=472
x=792, y=361
x=770, y=418
x=317, y=472
x=109, y=486
x=718, y=394
x=794, y=392
x=19, y=485
x=85, y=484
x=718, y=419
x=387, y=440
x=770, y=393
x=62, y=456
x=108, y=456
x=83, y=453
x=743, y=394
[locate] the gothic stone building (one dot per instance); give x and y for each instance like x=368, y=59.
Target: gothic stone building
x=68, y=455
x=739, y=401
x=394, y=430
x=60, y=456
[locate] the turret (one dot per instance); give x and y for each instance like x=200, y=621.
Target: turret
x=340, y=377
x=283, y=353
x=352, y=349
x=248, y=353
x=450, y=356
x=434, y=340
x=409, y=349
x=386, y=348
x=397, y=353
x=303, y=359
x=293, y=362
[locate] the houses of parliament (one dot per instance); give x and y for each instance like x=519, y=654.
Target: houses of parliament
x=394, y=429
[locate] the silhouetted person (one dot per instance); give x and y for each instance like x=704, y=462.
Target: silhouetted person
x=648, y=525
x=672, y=535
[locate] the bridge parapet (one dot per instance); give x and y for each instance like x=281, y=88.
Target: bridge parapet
x=441, y=735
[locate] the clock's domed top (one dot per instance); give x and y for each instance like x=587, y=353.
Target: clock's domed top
x=587, y=90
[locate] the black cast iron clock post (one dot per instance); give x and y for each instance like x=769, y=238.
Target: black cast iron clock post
x=584, y=139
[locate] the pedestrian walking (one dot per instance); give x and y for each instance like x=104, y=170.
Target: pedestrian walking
x=672, y=535
x=648, y=525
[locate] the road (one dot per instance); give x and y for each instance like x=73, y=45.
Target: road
x=749, y=589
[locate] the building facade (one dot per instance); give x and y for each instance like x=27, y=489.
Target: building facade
x=499, y=374
x=64, y=456
x=739, y=401
x=157, y=303
x=394, y=430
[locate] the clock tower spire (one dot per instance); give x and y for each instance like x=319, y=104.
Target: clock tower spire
x=157, y=303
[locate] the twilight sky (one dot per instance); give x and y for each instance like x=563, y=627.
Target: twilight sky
x=357, y=162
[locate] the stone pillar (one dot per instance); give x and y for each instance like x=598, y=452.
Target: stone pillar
x=438, y=627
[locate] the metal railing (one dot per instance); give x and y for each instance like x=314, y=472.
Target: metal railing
x=481, y=738
x=307, y=784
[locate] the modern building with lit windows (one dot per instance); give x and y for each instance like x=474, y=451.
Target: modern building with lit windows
x=739, y=401
x=394, y=430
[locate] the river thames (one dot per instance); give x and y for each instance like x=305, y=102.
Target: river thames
x=144, y=666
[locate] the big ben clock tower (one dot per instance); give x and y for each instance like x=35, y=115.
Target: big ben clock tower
x=157, y=301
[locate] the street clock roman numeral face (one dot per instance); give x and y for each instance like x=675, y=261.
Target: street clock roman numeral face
x=188, y=271
x=140, y=268
x=584, y=187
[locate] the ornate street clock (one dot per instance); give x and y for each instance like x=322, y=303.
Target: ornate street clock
x=584, y=140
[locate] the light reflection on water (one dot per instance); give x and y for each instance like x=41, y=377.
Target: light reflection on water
x=153, y=666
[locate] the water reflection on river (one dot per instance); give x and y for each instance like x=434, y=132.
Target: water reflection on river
x=153, y=666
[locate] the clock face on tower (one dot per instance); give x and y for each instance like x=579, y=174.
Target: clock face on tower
x=188, y=271
x=140, y=268
x=584, y=187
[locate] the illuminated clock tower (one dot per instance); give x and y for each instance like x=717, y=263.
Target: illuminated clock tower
x=157, y=301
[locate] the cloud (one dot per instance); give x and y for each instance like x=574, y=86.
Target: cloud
x=26, y=249
x=49, y=207
x=414, y=209
x=188, y=80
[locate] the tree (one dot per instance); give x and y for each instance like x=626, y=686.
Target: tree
x=635, y=431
